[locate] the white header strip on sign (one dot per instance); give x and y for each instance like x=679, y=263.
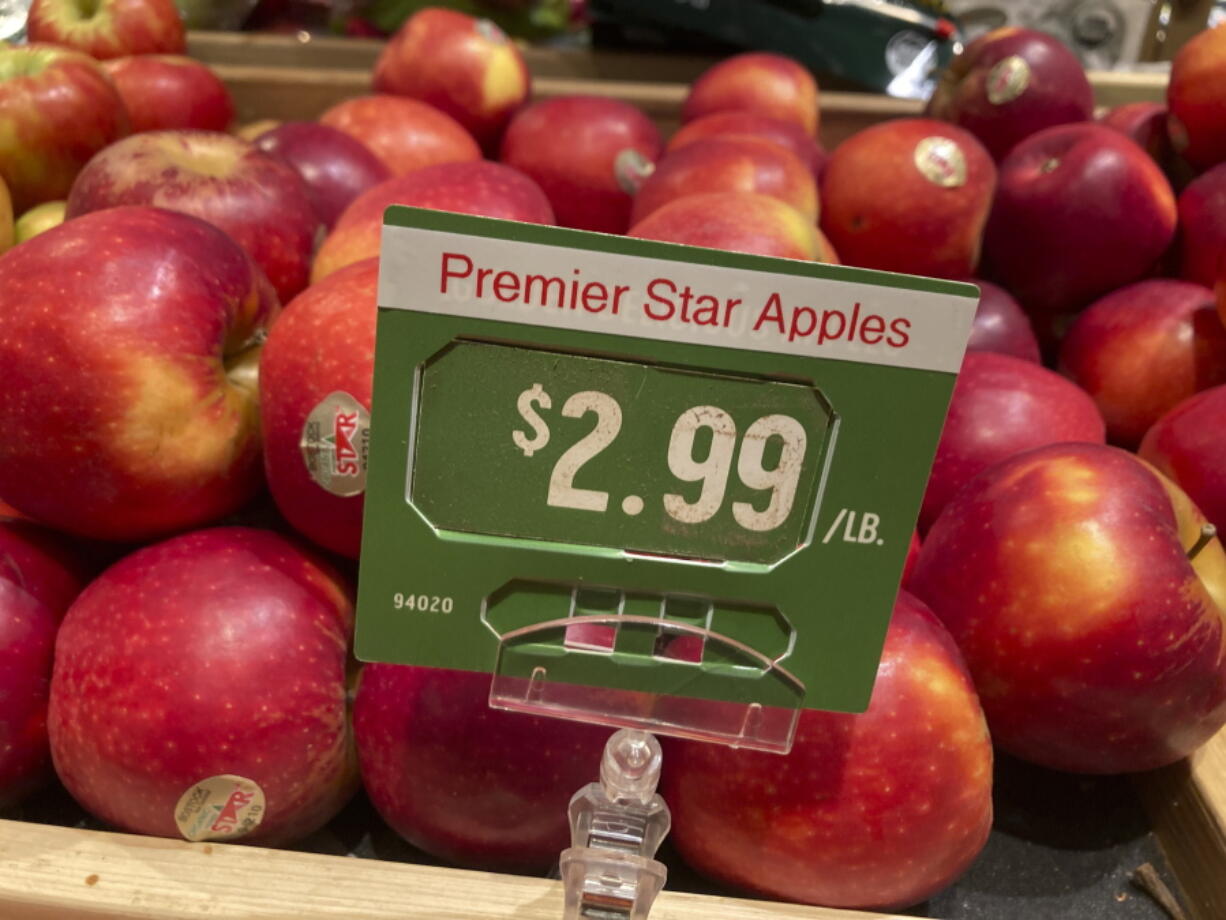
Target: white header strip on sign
x=460, y=275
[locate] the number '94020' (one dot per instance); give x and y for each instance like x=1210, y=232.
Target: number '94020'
x=423, y=603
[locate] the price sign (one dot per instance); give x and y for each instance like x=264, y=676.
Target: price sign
x=663, y=485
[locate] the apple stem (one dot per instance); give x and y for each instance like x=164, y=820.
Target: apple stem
x=1207, y=533
x=1147, y=879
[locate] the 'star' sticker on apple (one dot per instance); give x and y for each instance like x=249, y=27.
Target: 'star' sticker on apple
x=334, y=444
x=224, y=807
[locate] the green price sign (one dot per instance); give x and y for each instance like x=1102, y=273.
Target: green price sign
x=641, y=483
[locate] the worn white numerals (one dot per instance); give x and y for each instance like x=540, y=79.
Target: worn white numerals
x=423, y=603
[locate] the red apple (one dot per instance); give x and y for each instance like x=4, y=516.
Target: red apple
x=404, y=133
x=588, y=154
x=913, y=549
x=1187, y=445
x=1001, y=325
x=127, y=347
x=482, y=188
x=163, y=91
x=316, y=370
x=1193, y=96
x=735, y=221
x=880, y=809
x=57, y=109
x=908, y=195
x=1095, y=641
x=199, y=690
x=469, y=784
x=38, y=580
x=109, y=28
x=1080, y=210
x=1202, y=227
x=739, y=123
x=259, y=201
x=464, y=66
x=1142, y=350
x=759, y=82
x=728, y=164
x=1003, y=406
x=1145, y=124
x=335, y=167
x=1010, y=83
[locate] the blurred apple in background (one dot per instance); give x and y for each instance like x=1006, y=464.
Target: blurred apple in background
x=39, y=219
x=261, y=202
x=588, y=154
x=38, y=580
x=464, y=66
x=908, y=195
x=57, y=109
x=8, y=232
x=483, y=188
x=738, y=222
x=148, y=424
x=254, y=129
x=108, y=28
x=760, y=82
x=740, y=123
x=1145, y=124
x=1202, y=226
x=404, y=133
x=466, y=783
x=1142, y=350
x=1002, y=406
x=1001, y=325
x=1080, y=211
x=1187, y=445
x=876, y=810
x=1095, y=642
x=170, y=91
x=216, y=660
x=316, y=372
x=1195, y=99
x=728, y=164
x=1010, y=83
x=335, y=167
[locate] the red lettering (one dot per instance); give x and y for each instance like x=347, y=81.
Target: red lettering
x=346, y=455
x=227, y=819
x=772, y=312
x=855, y=321
x=660, y=299
x=825, y=334
x=811, y=317
x=872, y=329
x=899, y=327
x=449, y=273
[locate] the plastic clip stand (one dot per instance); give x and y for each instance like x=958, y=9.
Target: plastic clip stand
x=616, y=826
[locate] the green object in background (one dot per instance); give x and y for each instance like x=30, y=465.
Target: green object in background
x=527, y=19
x=641, y=482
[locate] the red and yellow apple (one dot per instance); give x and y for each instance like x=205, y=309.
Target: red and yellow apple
x=1202, y=227
x=404, y=133
x=740, y=123
x=760, y=82
x=128, y=347
x=1193, y=96
x=259, y=201
x=8, y=232
x=39, y=219
x=162, y=91
x=737, y=222
x=909, y=195
x=1079, y=587
x=109, y=28
x=1186, y=444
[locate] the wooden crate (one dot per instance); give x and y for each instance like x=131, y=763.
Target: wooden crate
x=57, y=873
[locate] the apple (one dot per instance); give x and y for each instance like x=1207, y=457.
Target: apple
x=734, y=221
x=108, y=28
x=1197, y=107
x=39, y=219
x=1186, y=444
x=1003, y=406
x=254, y=129
x=913, y=549
x=335, y=167
x=756, y=81
x=739, y=123
x=1142, y=350
x=908, y=195
x=587, y=153
x=728, y=164
x=8, y=232
x=1145, y=124
x=466, y=783
x=1075, y=581
x=258, y=200
x=1202, y=226
x=1010, y=83
x=483, y=188
x=1080, y=210
x=404, y=133
x=162, y=91
x=464, y=66
x=316, y=369
x=199, y=690
x=57, y=109
x=38, y=580
x=128, y=352
x=873, y=810
x=1001, y=325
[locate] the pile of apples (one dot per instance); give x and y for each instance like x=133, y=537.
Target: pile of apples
x=183, y=300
